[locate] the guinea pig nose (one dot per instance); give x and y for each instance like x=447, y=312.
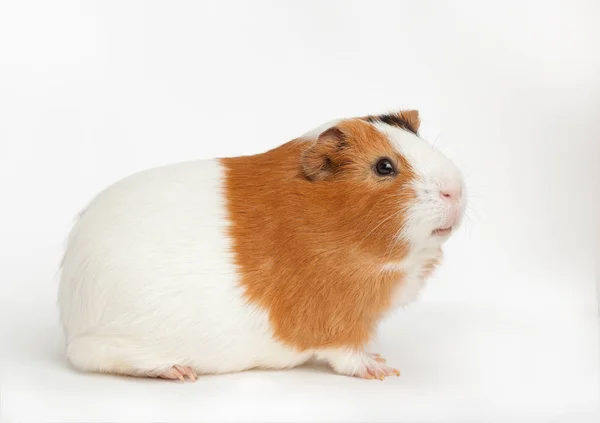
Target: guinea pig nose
x=451, y=194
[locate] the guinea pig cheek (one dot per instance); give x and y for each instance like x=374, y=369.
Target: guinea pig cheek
x=406, y=202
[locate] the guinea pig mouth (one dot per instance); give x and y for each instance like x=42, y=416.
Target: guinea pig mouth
x=442, y=231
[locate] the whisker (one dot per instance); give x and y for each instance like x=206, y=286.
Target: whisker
x=468, y=226
x=380, y=223
x=395, y=240
x=393, y=244
x=470, y=210
x=389, y=250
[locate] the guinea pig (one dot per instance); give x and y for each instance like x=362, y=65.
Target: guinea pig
x=261, y=261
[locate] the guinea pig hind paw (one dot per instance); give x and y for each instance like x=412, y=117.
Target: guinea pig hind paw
x=178, y=372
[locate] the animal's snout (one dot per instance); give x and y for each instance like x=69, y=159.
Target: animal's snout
x=452, y=196
x=451, y=193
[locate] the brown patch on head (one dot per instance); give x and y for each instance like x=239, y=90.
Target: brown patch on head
x=349, y=151
x=405, y=119
x=312, y=224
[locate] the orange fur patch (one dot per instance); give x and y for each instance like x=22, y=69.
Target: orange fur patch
x=312, y=225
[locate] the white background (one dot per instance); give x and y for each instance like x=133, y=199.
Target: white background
x=93, y=91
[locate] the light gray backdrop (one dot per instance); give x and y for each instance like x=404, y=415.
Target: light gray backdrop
x=91, y=91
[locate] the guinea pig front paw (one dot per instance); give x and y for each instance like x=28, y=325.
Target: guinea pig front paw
x=180, y=373
x=375, y=368
x=358, y=364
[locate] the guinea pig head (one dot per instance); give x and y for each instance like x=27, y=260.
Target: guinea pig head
x=382, y=188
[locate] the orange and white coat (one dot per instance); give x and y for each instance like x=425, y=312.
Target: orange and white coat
x=262, y=261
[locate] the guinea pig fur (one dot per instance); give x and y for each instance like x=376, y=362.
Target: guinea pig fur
x=263, y=261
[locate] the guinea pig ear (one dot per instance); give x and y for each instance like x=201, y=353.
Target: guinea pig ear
x=318, y=160
x=411, y=117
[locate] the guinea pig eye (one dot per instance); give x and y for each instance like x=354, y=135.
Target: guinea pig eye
x=384, y=167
